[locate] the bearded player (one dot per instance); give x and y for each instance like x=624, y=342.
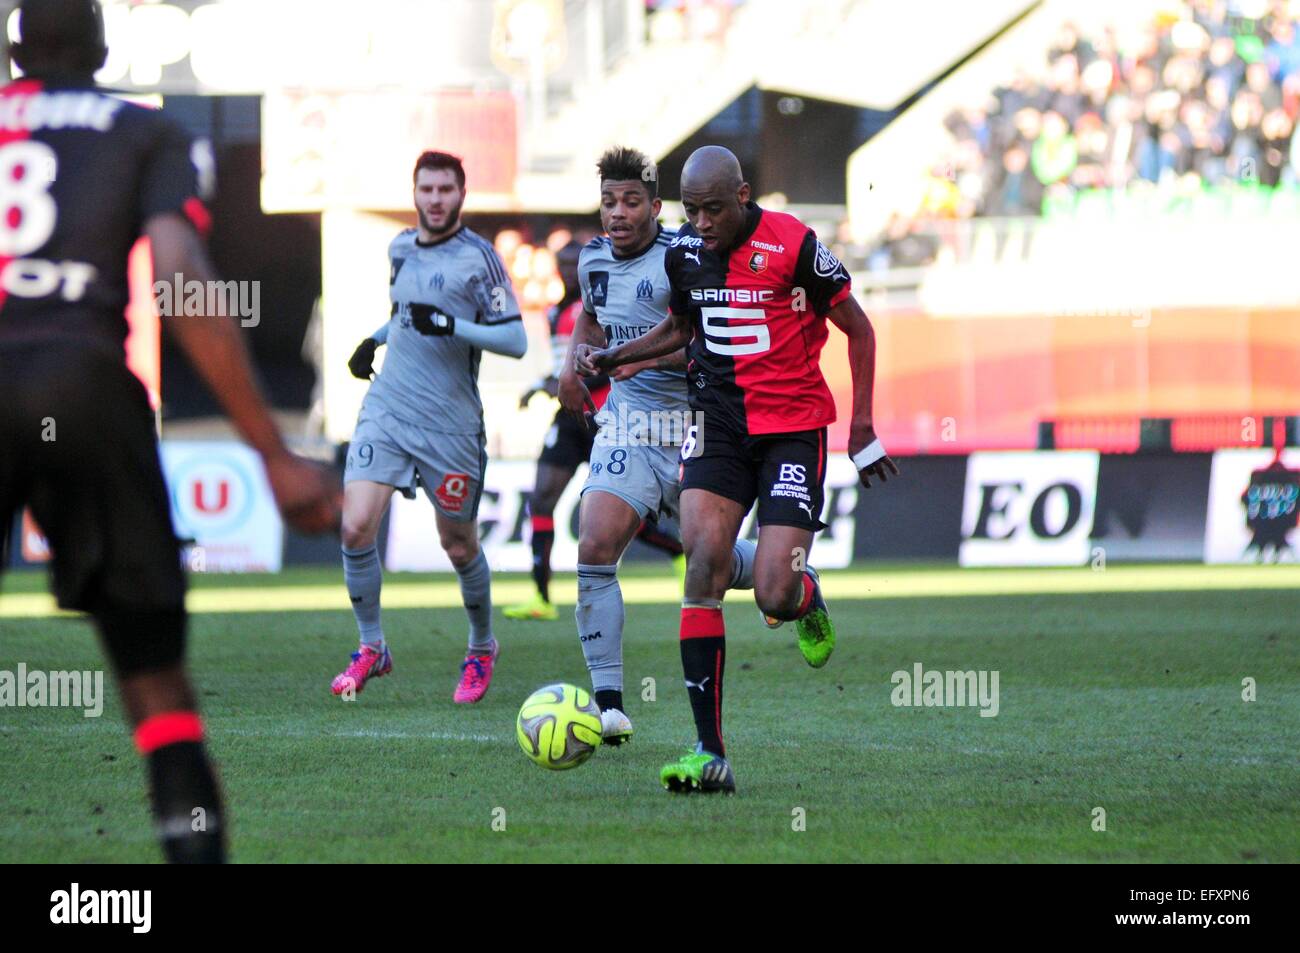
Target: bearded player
x=422, y=417
x=634, y=462
x=752, y=291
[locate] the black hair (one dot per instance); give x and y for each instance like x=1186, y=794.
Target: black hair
x=60, y=38
x=622, y=164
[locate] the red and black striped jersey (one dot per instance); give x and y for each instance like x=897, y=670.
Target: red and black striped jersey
x=758, y=316
x=81, y=171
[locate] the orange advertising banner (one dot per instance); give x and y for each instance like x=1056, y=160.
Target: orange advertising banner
x=955, y=385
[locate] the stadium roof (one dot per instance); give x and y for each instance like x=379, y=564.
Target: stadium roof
x=883, y=51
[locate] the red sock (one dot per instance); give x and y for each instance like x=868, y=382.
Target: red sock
x=704, y=655
x=182, y=788
x=159, y=731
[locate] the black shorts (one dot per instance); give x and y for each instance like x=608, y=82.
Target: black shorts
x=568, y=442
x=784, y=472
x=77, y=447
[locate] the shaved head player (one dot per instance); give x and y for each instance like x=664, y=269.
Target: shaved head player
x=752, y=291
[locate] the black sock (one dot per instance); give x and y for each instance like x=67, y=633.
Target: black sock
x=704, y=656
x=186, y=804
x=608, y=698
x=543, y=538
x=651, y=535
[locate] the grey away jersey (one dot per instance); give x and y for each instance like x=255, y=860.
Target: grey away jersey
x=428, y=380
x=629, y=296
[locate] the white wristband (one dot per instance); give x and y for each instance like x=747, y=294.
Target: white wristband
x=869, y=454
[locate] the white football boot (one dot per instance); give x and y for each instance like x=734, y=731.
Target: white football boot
x=615, y=727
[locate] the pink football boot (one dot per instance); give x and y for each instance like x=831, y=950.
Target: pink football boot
x=367, y=663
x=475, y=675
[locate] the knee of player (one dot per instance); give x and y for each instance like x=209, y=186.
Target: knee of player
x=774, y=592
x=598, y=552
x=542, y=503
x=707, y=578
x=461, y=552
x=356, y=534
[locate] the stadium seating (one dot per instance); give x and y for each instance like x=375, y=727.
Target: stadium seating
x=1197, y=104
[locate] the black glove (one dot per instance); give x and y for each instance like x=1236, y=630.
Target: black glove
x=429, y=320
x=362, y=361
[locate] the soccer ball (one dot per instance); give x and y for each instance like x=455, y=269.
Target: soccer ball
x=559, y=726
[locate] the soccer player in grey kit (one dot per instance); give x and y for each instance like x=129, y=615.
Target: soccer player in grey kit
x=451, y=300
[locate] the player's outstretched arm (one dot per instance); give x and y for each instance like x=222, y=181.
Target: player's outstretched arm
x=307, y=494
x=676, y=361
x=671, y=334
x=507, y=337
x=864, y=446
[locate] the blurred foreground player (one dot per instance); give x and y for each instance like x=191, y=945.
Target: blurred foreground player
x=82, y=176
x=422, y=416
x=751, y=293
x=568, y=444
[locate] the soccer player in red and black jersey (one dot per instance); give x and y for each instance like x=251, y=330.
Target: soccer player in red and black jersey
x=751, y=293
x=82, y=176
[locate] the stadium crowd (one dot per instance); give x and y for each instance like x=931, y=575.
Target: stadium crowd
x=1203, y=96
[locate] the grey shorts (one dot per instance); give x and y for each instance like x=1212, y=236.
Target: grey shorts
x=643, y=475
x=450, y=466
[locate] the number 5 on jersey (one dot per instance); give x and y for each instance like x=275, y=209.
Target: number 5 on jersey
x=716, y=320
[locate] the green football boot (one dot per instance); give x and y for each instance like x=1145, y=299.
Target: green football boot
x=816, y=630
x=698, y=771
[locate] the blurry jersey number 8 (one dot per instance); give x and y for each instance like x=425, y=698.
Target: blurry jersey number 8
x=27, y=210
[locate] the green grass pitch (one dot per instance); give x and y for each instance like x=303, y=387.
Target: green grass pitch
x=1119, y=689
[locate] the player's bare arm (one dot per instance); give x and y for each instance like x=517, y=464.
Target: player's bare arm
x=573, y=393
x=305, y=492
x=671, y=334
x=669, y=362
x=849, y=317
